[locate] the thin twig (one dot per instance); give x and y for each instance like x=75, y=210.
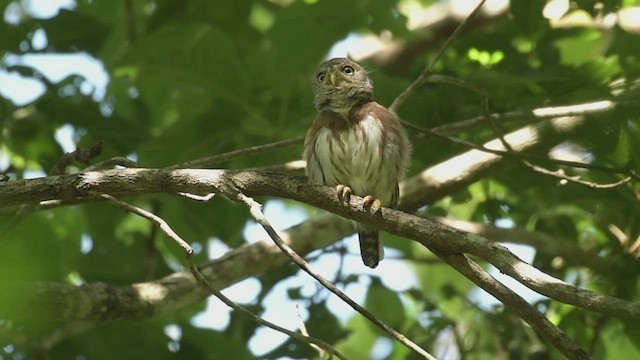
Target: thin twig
x=151, y=217
x=294, y=166
x=253, y=150
x=427, y=71
x=22, y=212
x=484, y=97
x=560, y=174
x=303, y=330
x=304, y=338
x=459, y=338
x=111, y=163
x=46, y=342
x=597, y=330
x=199, y=198
x=593, y=107
x=64, y=332
x=255, y=209
x=501, y=136
x=519, y=155
x=203, y=281
x=130, y=23
x=151, y=259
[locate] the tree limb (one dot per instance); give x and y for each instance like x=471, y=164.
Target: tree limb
x=255, y=209
x=435, y=236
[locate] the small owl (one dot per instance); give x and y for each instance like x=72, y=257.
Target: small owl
x=356, y=145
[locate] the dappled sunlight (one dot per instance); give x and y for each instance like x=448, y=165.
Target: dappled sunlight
x=524, y=125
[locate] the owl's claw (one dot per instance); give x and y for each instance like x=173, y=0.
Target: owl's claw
x=371, y=204
x=344, y=193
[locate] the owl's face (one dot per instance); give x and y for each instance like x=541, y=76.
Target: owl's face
x=339, y=84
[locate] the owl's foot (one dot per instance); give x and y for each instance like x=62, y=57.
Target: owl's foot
x=344, y=193
x=371, y=204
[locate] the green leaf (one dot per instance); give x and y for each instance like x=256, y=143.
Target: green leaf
x=385, y=304
x=528, y=16
x=71, y=31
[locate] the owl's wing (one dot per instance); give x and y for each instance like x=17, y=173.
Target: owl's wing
x=395, y=197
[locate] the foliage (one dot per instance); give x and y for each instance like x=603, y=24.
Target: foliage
x=189, y=79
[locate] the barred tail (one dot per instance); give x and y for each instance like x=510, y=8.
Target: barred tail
x=370, y=245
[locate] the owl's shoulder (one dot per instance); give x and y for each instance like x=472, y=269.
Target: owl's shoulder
x=330, y=120
x=372, y=108
x=325, y=120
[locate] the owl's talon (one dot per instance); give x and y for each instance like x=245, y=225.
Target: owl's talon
x=371, y=204
x=344, y=193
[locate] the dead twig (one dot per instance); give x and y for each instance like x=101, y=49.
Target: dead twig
x=80, y=155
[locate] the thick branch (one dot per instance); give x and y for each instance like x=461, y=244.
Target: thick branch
x=99, y=301
x=419, y=190
x=177, y=290
x=440, y=238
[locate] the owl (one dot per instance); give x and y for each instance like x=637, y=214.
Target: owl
x=356, y=145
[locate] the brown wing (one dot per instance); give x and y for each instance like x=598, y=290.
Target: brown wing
x=392, y=126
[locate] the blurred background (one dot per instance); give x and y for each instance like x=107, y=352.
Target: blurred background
x=163, y=82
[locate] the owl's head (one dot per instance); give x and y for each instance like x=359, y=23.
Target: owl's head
x=339, y=84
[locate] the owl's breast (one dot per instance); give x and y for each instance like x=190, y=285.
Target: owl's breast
x=355, y=156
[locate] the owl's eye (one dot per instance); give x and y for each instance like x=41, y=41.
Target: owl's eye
x=348, y=70
x=320, y=77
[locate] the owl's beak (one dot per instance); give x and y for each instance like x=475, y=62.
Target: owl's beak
x=333, y=79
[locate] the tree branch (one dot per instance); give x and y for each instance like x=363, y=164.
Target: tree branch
x=164, y=226
x=427, y=71
x=575, y=110
x=470, y=166
x=253, y=150
x=435, y=236
x=255, y=209
x=517, y=304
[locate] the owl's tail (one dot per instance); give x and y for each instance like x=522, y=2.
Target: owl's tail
x=370, y=245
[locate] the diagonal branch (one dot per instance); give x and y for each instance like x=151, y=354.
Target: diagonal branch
x=459, y=171
x=427, y=71
x=510, y=153
x=255, y=209
x=517, y=304
x=164, y=226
